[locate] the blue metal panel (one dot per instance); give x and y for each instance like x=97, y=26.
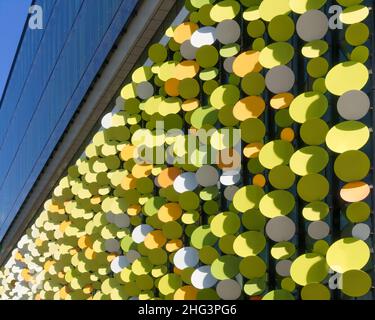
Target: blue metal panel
x=76, y=40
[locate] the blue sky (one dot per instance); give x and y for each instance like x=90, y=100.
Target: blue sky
x=13, y=14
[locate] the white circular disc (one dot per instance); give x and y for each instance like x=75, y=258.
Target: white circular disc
x=353, y=105
x=133, y=255
x=122, y=220
x=107, y=121
x=145, y=90
x=207, y=176
x=187, y=257
x=230, y=178
x=283, y=268
x=203, y=36
x=119, y=263
x=188, y=51
x=185, y=182
x=361, y=231
x=229, y=192
x=112, y=245
x=140, y=232
x=202, y=278
x=228, y=31
x=280, y=229
x=228, y=64
x=312, y=25
x=280, y=79
x=229, y=289
x=318, y=230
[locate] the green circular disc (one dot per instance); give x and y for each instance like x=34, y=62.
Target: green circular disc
x=225, y=95
x=317, y=67
x=283, y=119
x=358, y=212
x=313, y=187
x=356, y=283
x=357, y=34
x=252, y=267
x=281, y=177
x=158, y=53
x=276, y=153
x=278, y=295
x=256, y=28
x=202, y=236
x=348, y=172
x=360, y=54
x=309, y=160
x=277, y=203
x=307, y=106
x=253, y=84
x=309, y=268
x=253, y=220
x=255, y=287
x=204, y=116
x=207, y=56
x=315, y=291
x=276, y=54
x=281, y=28
x=188, y=88
x=252, y=130
x=225, y=267
x=313, y=132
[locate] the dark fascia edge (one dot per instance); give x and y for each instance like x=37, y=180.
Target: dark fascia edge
x=148, y=19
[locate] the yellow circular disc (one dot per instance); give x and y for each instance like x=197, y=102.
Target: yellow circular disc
x=356, y=283
x=315, y=211
x=247, y=198
x=301, y=6
x=225, y=10
x=246, y=62
x=309, y=160
x=354, y=14
x=276, y=54
x=307, y=106
x=277, y=203
x=225, y=223
x=309, y=268
x=348, y=254
x=283, y=250
x=250, y=243
x=346, y=136
x=276, y=153
x=315, y=291
x=340, y=78
x=250, y=107
x=269, y=9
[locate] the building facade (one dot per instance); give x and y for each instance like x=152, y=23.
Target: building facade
x=284, y=212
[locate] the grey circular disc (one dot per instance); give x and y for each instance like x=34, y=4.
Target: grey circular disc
x=188, y=51
x=280, y=79
x=353, y=105
x=361, y=231
x=318, y=230
x=112, y=245
x=228, y=64
x=229, y=192
x=122, y=220
x=280, y=229
x=228, y=31
x=283, y=268
x=207, y=176
x=229, y=289
x=145, y=90
x=312, y=25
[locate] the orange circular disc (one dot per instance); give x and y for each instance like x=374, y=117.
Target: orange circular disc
x=281, y=101
x=141, y=170
x=174, y=245
x=155, y=239
x=129, y=182
x=184, y=32
x=355, y=191
x=171, y=87
x=247, y=62
x=186, y=293
x=134, y=210
x=190, y=105
x=127, y=152
x=259, y=180
x=249, y=107
x=169, y=212
x=167, y=177
x=186, y=69
x=252, y=150
x=287, y=134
